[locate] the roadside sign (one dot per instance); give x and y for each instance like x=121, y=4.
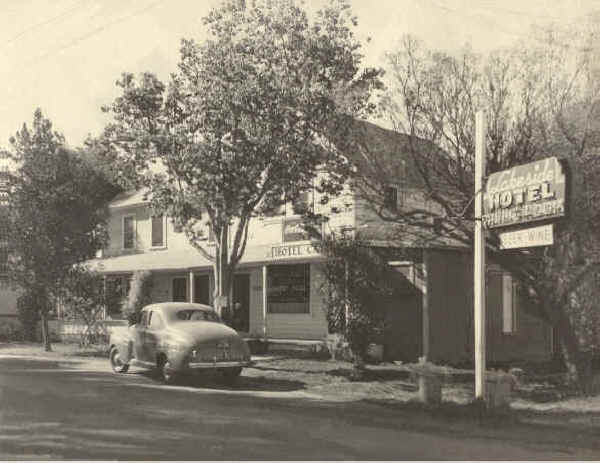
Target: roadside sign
x=527, y=237
x=525, y=193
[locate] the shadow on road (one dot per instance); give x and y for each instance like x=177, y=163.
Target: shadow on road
x=210, y=380
x=524, y=428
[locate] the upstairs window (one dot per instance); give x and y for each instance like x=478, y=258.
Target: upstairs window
x=293, y=230
x=158, y=231
x=128, y=232
x=303, y=203
x=390, y=198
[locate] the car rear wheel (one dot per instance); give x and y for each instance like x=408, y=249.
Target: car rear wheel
x=116, y=363
x=230, y=375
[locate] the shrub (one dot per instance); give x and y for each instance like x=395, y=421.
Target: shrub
x=11, y=332
x=355, y=279
x=83, y=300
x=28, y=313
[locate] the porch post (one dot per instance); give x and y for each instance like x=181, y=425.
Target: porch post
x=479, y=257
x=264, y=301
x=191, y=284
x=104, y=311
x=425, y=308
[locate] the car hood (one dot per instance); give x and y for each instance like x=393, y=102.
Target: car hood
x=195, y=332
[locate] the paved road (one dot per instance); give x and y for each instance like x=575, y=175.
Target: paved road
x=80, y=410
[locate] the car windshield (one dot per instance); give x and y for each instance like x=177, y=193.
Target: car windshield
x=195, y=315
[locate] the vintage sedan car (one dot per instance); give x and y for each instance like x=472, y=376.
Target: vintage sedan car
x=178, y=337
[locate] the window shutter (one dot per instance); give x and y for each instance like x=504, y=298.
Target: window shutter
x=158, y=238
x=508, y=304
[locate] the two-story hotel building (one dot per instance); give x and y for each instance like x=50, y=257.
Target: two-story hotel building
x=277, y=285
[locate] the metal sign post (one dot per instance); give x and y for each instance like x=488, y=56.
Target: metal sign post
x=479, y=257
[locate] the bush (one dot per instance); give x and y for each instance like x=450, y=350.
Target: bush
x=28, y=313
x=355, y=279
x=339, y=348
x=140, y=294
x=83, y=299
x=11, y=332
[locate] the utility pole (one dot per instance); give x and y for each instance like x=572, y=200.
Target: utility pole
x=479, y=257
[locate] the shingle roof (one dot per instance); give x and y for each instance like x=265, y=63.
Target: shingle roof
x=129, y=198
x=151, y=260
x=184, y=260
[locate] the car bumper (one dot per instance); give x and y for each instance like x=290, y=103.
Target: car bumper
x=219, y=364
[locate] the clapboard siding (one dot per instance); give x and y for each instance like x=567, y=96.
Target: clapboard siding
x=450, y=302
x=288, y=326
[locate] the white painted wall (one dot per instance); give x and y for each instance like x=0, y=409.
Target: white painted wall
x=289, y=326
x=262, y=231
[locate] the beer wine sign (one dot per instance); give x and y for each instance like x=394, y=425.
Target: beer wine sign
x=527, y=193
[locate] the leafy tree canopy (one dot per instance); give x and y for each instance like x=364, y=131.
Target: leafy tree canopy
x=247, y=119
x=57, y=210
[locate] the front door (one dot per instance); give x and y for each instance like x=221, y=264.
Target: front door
x=201, y=289
x=241, y=302
x=179, y=290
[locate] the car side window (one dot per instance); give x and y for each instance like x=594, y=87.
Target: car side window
x=155, y=321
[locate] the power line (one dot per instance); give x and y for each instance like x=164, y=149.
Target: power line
x=41, y=24
x=519, y=35
x=93, y=32
x=475, y=15
x=522, y=13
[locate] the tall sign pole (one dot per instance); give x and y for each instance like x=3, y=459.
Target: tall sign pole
x=479, y=256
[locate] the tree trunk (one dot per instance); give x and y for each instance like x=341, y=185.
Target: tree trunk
x=45, y=331
x=578, y=363
x=223, y=277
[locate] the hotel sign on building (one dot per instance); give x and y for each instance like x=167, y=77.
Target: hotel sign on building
x=294, y=250
x=525, y=193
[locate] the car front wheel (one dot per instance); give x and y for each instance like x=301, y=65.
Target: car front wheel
x=116, y=363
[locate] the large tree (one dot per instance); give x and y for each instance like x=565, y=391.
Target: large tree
x=245, y=123
x=58, y=210
x=542, y=99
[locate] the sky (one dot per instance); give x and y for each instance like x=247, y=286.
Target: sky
x=64, y=56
